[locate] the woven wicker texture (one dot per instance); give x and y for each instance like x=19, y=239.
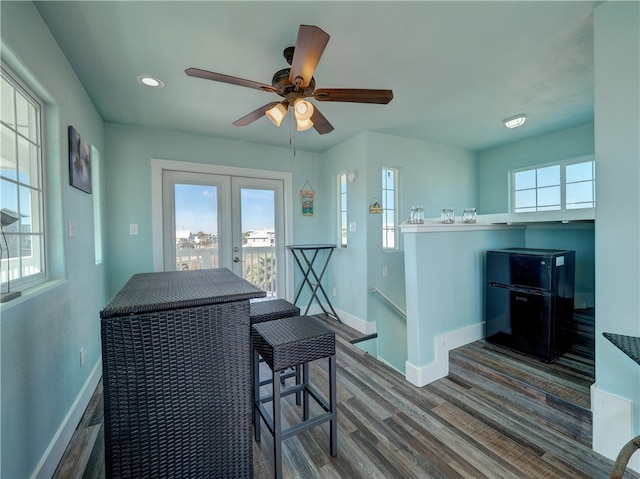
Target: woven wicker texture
x=290, y=341
x=264, y=309
x=146, y=292
x=177, y=389
x=630, y=345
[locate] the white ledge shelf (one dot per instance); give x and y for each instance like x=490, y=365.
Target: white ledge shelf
x=503, y=220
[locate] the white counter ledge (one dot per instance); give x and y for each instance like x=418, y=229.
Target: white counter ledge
x=502, y=220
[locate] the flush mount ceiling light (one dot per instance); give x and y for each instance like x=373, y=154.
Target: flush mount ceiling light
x=150, y=82
x=515, y=121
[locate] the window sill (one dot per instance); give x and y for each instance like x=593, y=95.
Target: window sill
x=32, y=292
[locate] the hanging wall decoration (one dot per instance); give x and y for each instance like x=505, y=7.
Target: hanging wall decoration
x=307, y=200
x=79, y=161
x=375, y=207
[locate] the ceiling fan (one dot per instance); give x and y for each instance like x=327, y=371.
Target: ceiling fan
x=297, y=83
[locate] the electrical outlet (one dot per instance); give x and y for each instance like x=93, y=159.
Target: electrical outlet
x=133, y=229
x=385, y=271
x=334, y=293
x=352, y=226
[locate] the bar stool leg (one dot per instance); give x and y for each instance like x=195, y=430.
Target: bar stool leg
x=305, y=399
x=333, y=423
x=256, y=394
x=277, y=427
x=298, y=394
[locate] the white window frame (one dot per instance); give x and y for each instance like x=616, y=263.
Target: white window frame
x=386, y=191
x=563, y=206
x=342, y=212
x=26, y=269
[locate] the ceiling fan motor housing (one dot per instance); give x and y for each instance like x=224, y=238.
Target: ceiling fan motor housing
x=281, y=82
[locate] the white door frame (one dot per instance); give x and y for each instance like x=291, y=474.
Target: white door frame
x=159, y=165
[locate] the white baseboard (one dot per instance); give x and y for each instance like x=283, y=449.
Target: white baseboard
x=439, y=368
x=51, y=457
x=350, y=320
x=612, y=425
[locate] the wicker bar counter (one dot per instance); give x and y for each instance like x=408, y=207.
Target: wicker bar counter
x=177, y=376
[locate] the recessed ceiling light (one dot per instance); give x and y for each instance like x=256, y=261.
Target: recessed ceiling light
x=515, y=121
x=150, y=82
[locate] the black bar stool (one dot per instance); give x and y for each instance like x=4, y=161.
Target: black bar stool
x=269, y=309
x=284, y=343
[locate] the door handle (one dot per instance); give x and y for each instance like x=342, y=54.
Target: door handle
x=236, y=249
x=236, y=259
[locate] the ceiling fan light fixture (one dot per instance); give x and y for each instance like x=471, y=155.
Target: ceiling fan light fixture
x=515, y=121
x=303, y=125
x=302, y=109
x=276, y=114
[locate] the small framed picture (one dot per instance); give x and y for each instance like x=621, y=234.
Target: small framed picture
x=79, y=162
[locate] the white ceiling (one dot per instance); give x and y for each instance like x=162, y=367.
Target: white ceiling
x=456, y=68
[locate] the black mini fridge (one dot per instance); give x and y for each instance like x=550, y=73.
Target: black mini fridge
x=529, y=300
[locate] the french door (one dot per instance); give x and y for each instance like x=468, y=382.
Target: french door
x=236, y=222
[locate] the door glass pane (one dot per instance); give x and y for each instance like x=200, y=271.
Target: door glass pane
x=196, y=226
x=257, y=219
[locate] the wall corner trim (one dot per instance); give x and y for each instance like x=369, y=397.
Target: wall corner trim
x=422, y=375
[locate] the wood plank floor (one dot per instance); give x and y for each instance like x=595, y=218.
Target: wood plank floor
x=391, y=429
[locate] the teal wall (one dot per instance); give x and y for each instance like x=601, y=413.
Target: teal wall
x=445, y=278
x=494, y=164
x=128, y=172
x=617, y=146
x=431, y=175
x=352, y=260
x=44, y=330
x=579, y=237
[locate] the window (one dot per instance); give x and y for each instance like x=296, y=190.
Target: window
x=21, y=200
x=566, y=185
x=342, y=210
x=389, y=202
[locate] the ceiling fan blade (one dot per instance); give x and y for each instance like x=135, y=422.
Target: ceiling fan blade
x=207, y=75
x=355, y=95
x=320, y=123
x=309, y=47
x=255, y=114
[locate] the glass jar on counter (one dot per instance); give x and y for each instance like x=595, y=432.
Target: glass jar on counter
x=469, y=215
x=448, y=216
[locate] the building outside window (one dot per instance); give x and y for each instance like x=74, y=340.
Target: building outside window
x=559, y=186
x=21, y=185
x=389, y=205
x=342, y=209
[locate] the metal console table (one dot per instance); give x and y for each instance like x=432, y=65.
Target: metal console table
x=305, y=256
x=177, y=376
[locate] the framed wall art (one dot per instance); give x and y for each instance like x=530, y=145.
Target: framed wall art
x=307, y=200
x=79, y=162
